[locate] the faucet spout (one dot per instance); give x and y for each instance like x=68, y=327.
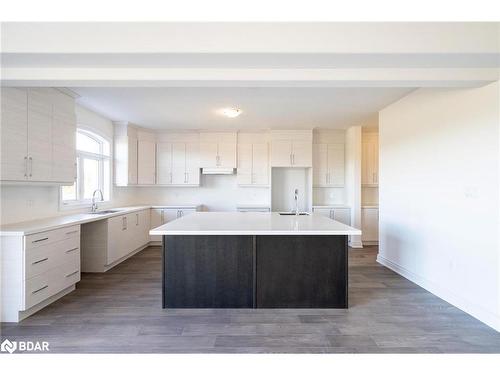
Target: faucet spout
x=94, y=203
x=296, y=198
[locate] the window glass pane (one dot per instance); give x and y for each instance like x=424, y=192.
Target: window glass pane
x=85, y=143
x=69, y=192
x=90, y=177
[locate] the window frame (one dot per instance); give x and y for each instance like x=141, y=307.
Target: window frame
x=101, y=158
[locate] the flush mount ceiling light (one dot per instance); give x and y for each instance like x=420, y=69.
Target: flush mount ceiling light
x=230, y=112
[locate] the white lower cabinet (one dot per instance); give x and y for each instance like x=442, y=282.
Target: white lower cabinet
x=160, y=216
x=342, y=215
x=369, y=224
x=37, y=269
x=107, y=242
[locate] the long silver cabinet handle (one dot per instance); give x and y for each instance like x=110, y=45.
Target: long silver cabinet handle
x=25, y=166
x=40, y=261
x=73, y=231
x=40, y=240
x=71, y=250
x=72, y=273
x=31, y=165
x=39, y=290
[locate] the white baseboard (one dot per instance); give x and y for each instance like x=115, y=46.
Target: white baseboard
x=468, y=307
x=356, y=244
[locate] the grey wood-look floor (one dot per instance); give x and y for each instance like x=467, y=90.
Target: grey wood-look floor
x=120, y=312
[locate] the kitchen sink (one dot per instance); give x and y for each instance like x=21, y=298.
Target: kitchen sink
x=104, y=212
x=293, y=213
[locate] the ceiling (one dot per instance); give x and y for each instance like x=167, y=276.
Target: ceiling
x=262, y=107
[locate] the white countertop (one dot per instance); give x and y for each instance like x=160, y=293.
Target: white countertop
x=185, y=206
x=41, y=225
x=253, y=223
x=331, y=206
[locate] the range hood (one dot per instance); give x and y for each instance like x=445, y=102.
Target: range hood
x=217, y=171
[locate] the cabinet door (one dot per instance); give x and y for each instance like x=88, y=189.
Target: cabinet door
x=156, y=221
x=117, y=227
x=227, y=155
x=63, y=143
x=281, y=153
x=13, y=135
x=320, y=165
x=260, y=164
x=302, y=154
x=164, y=159
x=39, y=135
x=132, y=160
x=335, y=172
x=375, y=160
x=170, y=214
x=208, y=155
x=369, y=224
x=146, y=165
x=323, y=212
x=192, y=164
x=244, y=172
x=179, y=164
x=342, y=215
x=369, y=161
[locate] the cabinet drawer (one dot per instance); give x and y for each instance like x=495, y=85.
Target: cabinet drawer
x=67, y=274
x=45, y=285
x=41, y=239
x=45, y=257
x=37, y=289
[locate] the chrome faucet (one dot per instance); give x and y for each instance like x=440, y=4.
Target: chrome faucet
x=296, y=197
x=94, y=203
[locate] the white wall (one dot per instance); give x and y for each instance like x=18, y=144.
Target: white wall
x=439, y=195
x=284, y=182
x=28, y=202
x=216, y=193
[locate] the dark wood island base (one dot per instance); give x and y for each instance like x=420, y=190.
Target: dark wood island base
x=262, y=271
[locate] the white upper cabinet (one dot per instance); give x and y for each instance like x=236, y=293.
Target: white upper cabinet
x=38, y=133
x=192, y=164
x=146, y=162
x=291, y=148
x=14, y=135
x=328, y=165
x=125, y=154
x=253, y=163
x=369, y=159
x=218, y=150
x=164, y=163
x=178, y=161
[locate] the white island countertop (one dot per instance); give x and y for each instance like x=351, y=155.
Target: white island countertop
x=253, y=223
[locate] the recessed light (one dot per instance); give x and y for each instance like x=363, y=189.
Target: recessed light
x=230, y=112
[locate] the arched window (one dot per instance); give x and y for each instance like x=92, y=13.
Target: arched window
x=93, y=169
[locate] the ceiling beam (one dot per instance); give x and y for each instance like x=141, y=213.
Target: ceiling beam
x=176, y=77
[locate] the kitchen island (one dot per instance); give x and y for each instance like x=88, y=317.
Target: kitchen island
x=254, y=260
